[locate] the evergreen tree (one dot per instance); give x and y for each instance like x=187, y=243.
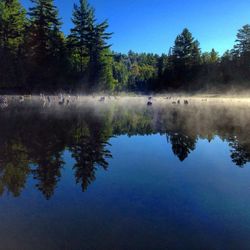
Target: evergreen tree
x=242, y=46
x=241, y=52
x=45, y=40
x=88, y=42
x=100, y=61
x=12, y=25
x=227, y=67
x=186, y=51
x=44, y=28
x=83, y=20
x=186, y=56
x=214, y=56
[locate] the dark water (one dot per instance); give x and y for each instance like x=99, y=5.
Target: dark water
x=120, y=177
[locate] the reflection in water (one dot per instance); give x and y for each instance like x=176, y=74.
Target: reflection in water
x=89, y=152
x=32, y=141
x=182, y=145
x=240, y=152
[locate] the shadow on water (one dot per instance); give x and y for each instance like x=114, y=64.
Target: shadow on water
x=33, y=140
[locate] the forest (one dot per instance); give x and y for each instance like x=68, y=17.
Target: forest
x=37, y=56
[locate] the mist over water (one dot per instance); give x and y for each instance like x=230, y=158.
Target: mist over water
x=120, y=174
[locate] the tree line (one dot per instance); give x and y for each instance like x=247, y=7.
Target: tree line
x=37, y=55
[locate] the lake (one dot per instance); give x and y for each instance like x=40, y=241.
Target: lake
x=124, y=175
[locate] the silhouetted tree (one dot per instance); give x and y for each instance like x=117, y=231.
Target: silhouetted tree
x=12, y=25
x=88, y=41
x=83, y=20
x=241, y=51
x=45, y=41
x=186, y=57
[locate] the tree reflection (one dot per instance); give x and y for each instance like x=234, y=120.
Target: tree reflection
x=33, y=142
x=240, y=154
x=89, y=152
x=46, y=149
x=48, y=173
x=182, y=145
x=14, y=168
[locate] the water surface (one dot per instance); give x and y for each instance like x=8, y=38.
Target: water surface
x=125, y=177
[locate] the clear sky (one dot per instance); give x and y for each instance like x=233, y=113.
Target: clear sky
x=152, y=25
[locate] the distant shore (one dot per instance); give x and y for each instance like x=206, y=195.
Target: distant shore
x=63, y=99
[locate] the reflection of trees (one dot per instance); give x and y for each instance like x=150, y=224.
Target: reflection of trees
x=132, y=123
x=89, y=152
x=48, y=173
x=14, y=168
x=239, y=153
x=42, y=143
x=45, y=149
x=89, y=149
x=182, y=145
x=39, y=140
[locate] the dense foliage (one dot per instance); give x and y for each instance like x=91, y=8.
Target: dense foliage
x=36, y=55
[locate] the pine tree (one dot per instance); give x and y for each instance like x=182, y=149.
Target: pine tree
x=241, y=50
x=83, y=20
x=12, y=26
x=88, y=42
x=243, y=41
x=186, y=51
x=214, y=56
x=186, y=57
x=100, y=65
x=45, y=41
x=44, y=30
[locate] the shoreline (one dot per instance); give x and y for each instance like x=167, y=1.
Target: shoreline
x=144, y=100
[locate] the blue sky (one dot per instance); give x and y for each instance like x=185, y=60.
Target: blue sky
x=152, y=25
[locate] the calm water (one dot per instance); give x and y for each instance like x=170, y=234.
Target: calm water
x=116, y=177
